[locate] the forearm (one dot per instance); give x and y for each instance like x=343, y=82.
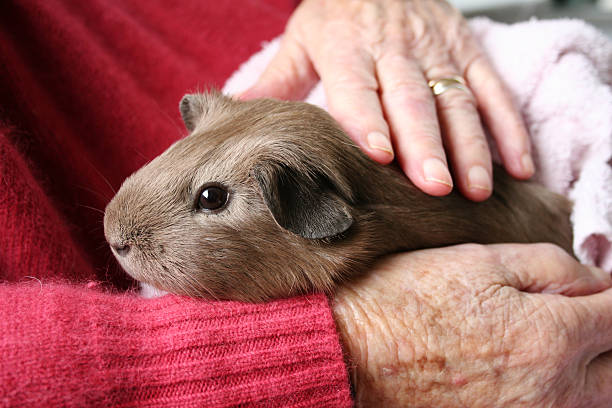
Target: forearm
x=68, y=346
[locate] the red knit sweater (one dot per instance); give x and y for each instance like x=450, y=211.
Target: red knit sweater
x=88, y=93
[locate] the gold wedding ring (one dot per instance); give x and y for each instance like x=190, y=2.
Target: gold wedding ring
x=441, y=85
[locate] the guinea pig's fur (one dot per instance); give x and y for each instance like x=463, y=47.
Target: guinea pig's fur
x=306, y=208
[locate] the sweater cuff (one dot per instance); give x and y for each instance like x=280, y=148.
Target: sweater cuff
x=69, y=346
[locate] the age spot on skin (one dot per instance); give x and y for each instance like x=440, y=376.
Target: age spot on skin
x=459, y=380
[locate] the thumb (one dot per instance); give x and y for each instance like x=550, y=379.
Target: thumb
x=546, y=268
x=289, y=76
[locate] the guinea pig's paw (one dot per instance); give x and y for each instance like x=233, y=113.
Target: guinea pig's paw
x=149, y=292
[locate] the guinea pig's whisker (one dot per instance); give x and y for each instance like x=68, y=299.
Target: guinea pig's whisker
x=108, y=264
x=187, y=287
x=139, y=153
x=257, y=282
x=102, y=245
x=96, y=193
x=193, y=284
x=196, y=291
x=99, y=173
x=92, y=208
x=176, y=279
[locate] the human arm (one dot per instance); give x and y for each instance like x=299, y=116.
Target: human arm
x=375, y=59
x=65, y=345
x=64, y=342
x=479, y=326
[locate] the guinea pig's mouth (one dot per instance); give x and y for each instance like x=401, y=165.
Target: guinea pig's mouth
x=125, y=258
x=152, y=274
x=149, y=291
x=128, y=257
x=137, y=272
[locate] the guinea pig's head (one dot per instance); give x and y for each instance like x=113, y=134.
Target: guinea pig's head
x=245, y=207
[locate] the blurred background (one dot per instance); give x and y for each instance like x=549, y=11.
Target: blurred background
x=596, y=12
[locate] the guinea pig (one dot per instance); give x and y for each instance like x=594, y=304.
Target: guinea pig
x=268, y=199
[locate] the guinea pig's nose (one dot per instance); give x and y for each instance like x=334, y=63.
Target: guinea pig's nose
x=122, y=250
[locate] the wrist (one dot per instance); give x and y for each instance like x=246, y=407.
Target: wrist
x=351, y=320
x=339, y=316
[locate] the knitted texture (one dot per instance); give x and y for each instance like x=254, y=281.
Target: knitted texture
x=71, y=347
x=89, y=93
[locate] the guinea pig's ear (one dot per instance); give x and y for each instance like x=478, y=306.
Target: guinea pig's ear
x=192, y=108
x=205, y=107
x=307, y=206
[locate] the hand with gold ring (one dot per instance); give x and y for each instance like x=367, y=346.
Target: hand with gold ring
x=406, y=80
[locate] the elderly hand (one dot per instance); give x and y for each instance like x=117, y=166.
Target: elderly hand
x=375, y=58
x=479, y=326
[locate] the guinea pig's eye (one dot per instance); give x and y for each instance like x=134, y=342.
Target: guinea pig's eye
x=211, y=198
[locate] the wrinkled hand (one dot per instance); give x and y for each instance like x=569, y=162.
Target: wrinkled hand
x=479, y=326
x=375, y=58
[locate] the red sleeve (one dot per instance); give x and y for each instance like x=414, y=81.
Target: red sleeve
x=89, y=91
x=73, y=347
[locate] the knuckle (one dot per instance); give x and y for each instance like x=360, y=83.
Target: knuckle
x=552, y=253
x=476, y=143
x=341, y=108
x=413, y=89
x=371, y=11
x=283, y=75
x=418, y=144
x=549, y=341
x=353, y=82
x=460, y=36
x=418, y=35
x=358, y=118
x=425, y=143
x=490, y=292
x=411, y=99
x=457, y=100
x=476, y=57
x=482, y=254
x=392, y=48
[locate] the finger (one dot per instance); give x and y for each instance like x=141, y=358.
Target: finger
x=546, y=268
x=464, y=137
x=411, y=112
x=584, y=308
x=352, y=94
x=496, y=107
x=594, y=328
x=598, y=380
x=289, y=76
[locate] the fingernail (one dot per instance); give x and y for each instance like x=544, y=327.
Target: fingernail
x=527, y=162
x=436, y=170
x=479, y=178
x=378, y=141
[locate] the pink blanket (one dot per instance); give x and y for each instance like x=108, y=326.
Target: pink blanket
x=560, y=73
